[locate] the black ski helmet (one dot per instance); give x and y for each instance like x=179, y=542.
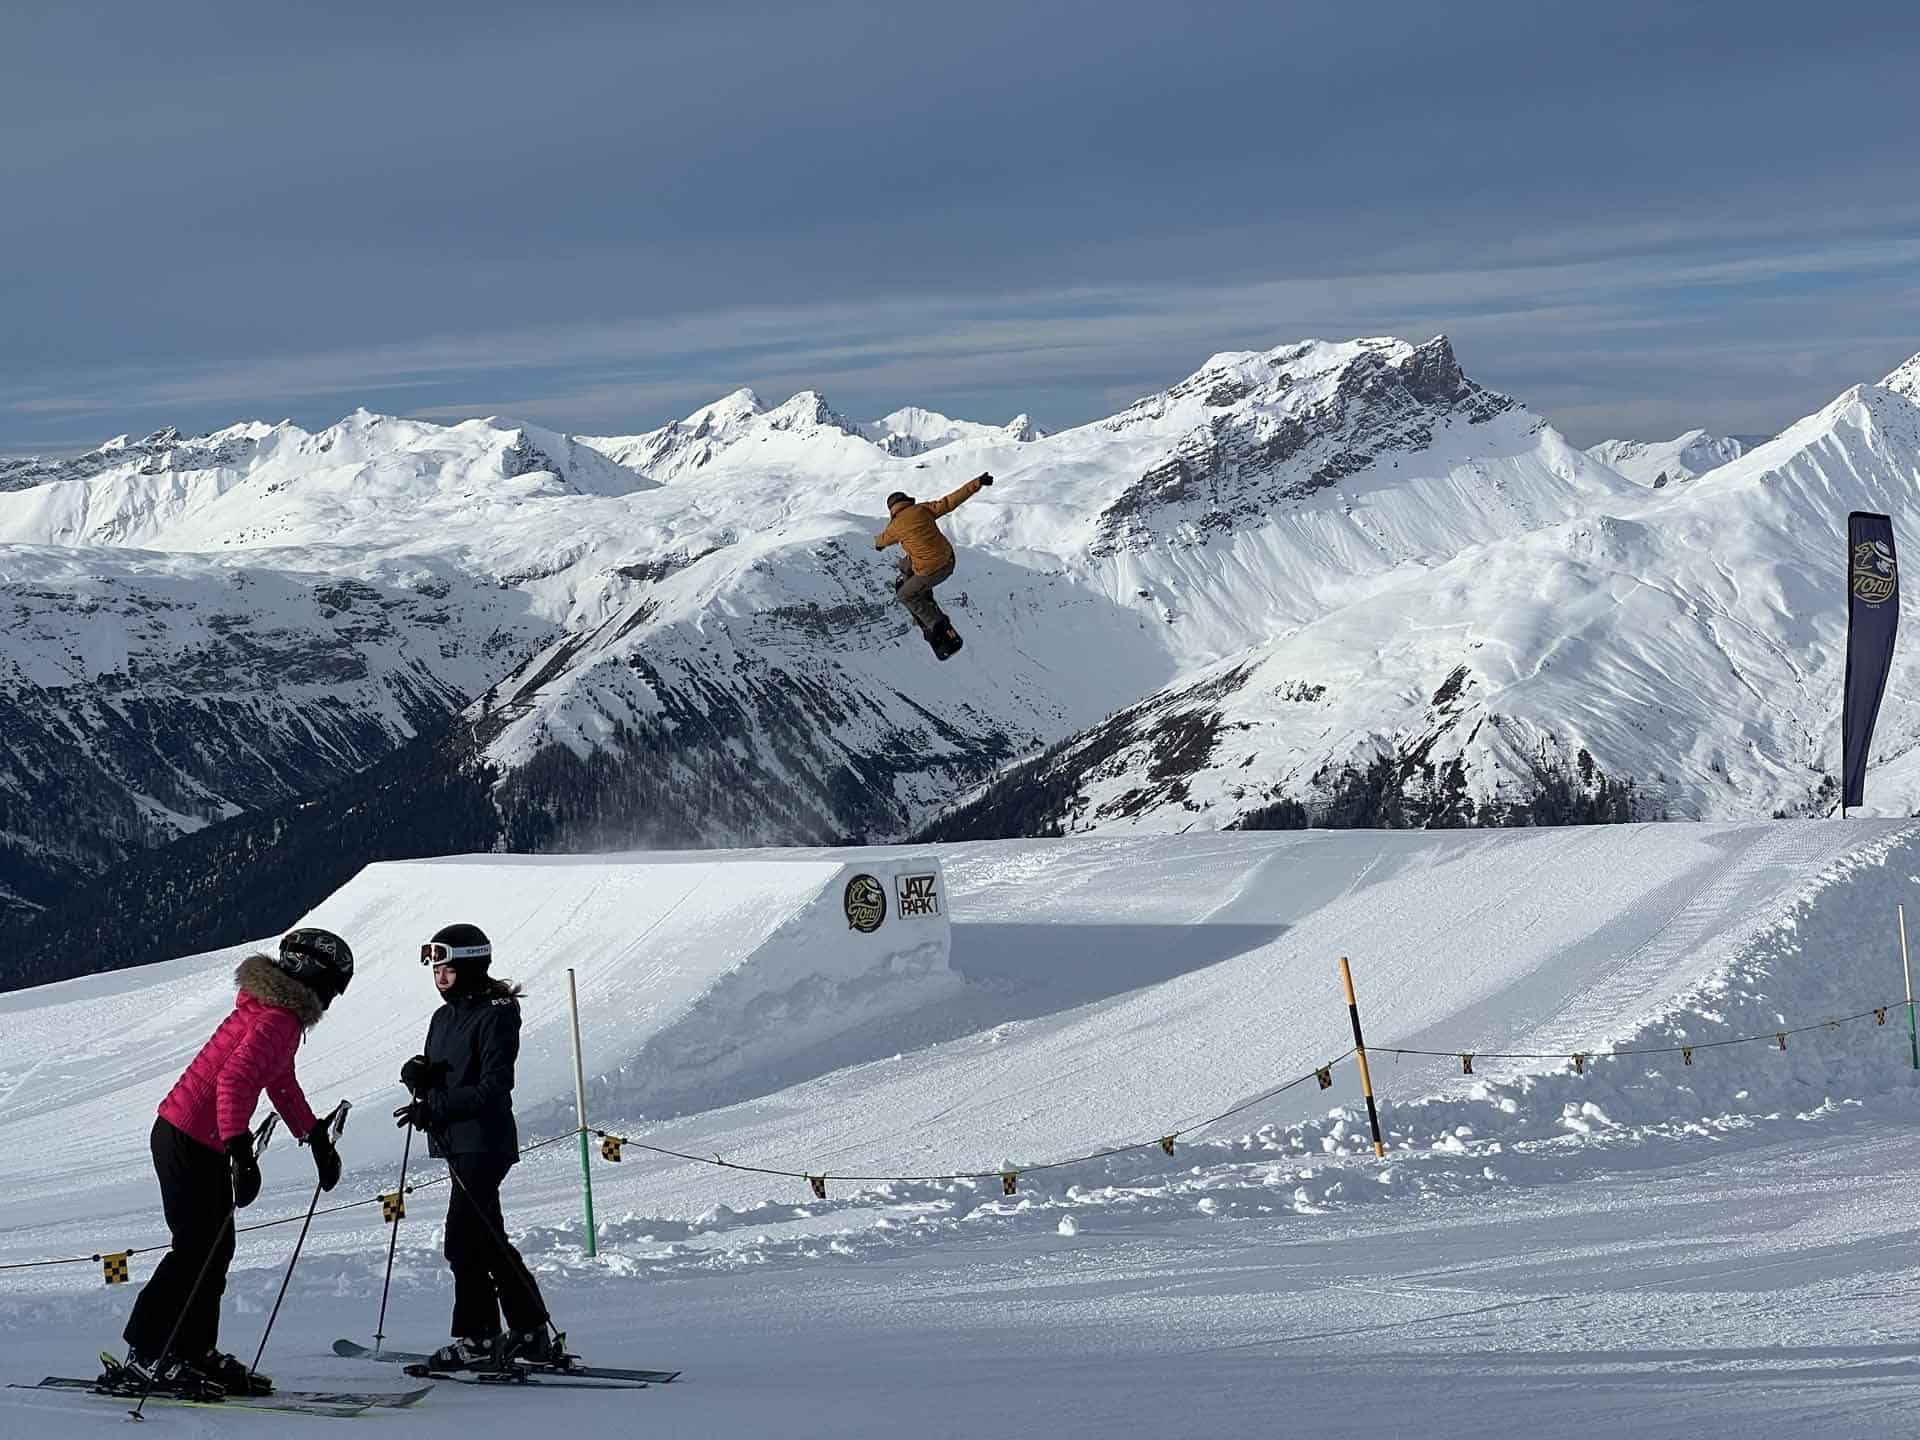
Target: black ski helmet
x=319, y=960
x=898, y=501
x=464, y=947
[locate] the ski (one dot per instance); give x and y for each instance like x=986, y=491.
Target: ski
x=520, y=1375
x=334, y=1404
x=352, y=1350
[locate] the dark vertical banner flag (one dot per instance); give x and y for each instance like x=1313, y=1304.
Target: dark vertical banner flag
x=1873, y=615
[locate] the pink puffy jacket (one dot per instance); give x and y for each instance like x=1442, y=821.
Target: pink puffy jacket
x=252, y=1051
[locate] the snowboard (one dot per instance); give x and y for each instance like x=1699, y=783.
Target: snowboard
x=944, y=640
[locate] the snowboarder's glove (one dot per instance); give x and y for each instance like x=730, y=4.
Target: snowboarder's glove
x=986, y=479
x=246, y=1171
x=420, y=1075
x=326, y=1159
x=417, y=1113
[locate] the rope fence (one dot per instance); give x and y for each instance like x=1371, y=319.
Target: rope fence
x=341, y=1208
x=613, y=1144
x=1777, y=1038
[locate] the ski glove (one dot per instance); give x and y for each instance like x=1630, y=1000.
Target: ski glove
x=417, y=1113
x=420, y=1074
x=246, y=1171
x=326, y=1159
x=986, y=479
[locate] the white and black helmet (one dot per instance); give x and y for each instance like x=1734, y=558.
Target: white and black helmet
x=318, y=959
x=464, y=947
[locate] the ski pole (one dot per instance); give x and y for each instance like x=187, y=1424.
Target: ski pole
x=166, y=1351
x=181, y=1319
x=393, y=1243
x=335, y=1124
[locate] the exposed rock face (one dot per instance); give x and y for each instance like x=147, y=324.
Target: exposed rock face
x=1284, y=425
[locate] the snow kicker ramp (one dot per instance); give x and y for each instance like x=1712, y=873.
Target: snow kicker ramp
x=696, y=973
x=1097, y=991
x=1539, y=940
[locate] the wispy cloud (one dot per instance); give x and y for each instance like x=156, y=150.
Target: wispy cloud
x=610, y=217
x=1619, y=308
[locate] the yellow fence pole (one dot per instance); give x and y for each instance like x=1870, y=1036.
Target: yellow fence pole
x=1360, y=1051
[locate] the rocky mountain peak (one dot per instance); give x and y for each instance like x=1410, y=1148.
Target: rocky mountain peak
x=809, y=411
x=1261, y=427
x=1905, y=380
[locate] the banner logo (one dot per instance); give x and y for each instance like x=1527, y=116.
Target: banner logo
x=1875, y=577
x=866, y=902
x=919, y=895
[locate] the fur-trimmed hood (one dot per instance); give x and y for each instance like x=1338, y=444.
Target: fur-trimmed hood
x=270, y=985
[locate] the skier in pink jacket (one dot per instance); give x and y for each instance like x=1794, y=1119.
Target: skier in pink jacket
x=203, y=1154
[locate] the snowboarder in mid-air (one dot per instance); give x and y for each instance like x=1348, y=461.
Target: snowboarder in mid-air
x=462, y=1087
x=203, y=1152
x=927, y=561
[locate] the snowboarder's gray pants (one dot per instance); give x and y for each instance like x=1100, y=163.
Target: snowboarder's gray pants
x=916, y=593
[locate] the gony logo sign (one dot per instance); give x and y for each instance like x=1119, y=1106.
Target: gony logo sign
x=866, y=902
x=919, y=895
x=1874, y=575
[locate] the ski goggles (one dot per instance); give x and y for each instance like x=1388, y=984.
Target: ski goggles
x=436, y=953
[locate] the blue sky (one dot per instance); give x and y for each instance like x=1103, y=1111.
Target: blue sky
x=1636, y=217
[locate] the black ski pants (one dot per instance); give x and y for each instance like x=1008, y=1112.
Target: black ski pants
x=196, y=1193
x=488, y=1274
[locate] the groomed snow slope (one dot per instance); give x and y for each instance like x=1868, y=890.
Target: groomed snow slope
x=1671, y=1248
x=1107, y=991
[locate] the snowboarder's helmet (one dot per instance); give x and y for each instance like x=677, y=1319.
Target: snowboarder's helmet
x=898, y=501
x=319, y=960
x=465, y=947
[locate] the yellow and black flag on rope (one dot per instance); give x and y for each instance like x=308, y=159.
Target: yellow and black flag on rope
x=393, y=1208
x=610, y=1147
x=114, y=1267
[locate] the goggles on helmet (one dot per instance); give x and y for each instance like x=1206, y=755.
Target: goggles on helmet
x=435, y=952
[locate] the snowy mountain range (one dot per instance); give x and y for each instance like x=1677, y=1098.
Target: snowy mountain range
x=1659, y=463
x=1328, y=582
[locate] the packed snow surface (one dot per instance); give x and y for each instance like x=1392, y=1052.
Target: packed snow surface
x=1685, y=1244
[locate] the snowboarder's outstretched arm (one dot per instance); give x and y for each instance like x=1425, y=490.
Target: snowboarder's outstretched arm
x=965, y=492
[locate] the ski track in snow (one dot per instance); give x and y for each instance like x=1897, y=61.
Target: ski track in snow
x=1681, y=1248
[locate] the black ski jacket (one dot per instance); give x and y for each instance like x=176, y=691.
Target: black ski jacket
x=477, y=1035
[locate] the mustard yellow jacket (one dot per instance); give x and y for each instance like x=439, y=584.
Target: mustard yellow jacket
x=912, y=526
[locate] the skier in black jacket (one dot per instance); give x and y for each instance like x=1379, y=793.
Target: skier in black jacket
x=462, y=1089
